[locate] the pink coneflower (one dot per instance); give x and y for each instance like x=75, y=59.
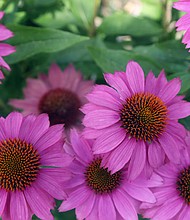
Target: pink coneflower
x=5, y=49
x=60, y=95
x=173, y=197
x=97, y=194
x=183, y=24
x=135, y=119
x=31, y=161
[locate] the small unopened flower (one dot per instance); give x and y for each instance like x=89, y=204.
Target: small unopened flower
x=95, y=193
x=173, y=197
x=136, y=119
x=5, y=49
x=31, y=166
x=60, y=95
x=183, y=24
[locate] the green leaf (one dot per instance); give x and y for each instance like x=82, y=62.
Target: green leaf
x=169, y=55
x=31, y=40
x=124, y=24
x=116, y=60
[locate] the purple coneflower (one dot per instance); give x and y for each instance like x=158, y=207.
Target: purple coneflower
x=60, y=95
x=31, y=166
x=97, y=194
x=136, y=119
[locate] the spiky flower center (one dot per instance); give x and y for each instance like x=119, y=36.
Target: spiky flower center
x=144, y=116
x=19, y=164
x=183, y=184
x=61, y=105
x=100, y=180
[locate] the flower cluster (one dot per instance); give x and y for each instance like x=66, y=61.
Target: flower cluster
x=110, y=151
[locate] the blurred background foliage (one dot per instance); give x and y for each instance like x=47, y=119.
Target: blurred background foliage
x=97, y=36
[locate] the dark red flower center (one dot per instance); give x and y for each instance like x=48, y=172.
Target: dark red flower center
x=19, y=164
x=101, y=180
x=62, y=106
x=144, y=116
x=183, y=184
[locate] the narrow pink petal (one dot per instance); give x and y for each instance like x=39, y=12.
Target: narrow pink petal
x=26, y=126
x=137, y=161
x=3, y=199
x=118, y=83
x=140, y=193
x=58, y=173
x=6, y=49
x=156, y=155
x=1, y=14
x=183, y=23
x=39, y=127
x=50, y=137
x=109, y=140
x=75, y=199
x=50, y=185
x=81, y=147
x=104, y=99
x=85, y=208
x=176, y=128
x=182, y=6
x=54, y=76
x=106, y=208
x=179, y=110
x=170, y=90
x=18, y=206
x=120, y=156
x=150, y=83
x=161, y=82
x=135, y=77
x=39, y=202
x=94, y=214
x=184, y=213
x=124, y=206
x=169, y=209
x=4, y=64
x=170, y=147
x=1, y=76
x=5, y=33
x=12, y=124
x=101, y=118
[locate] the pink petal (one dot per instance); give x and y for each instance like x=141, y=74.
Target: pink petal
x=12, y=124
x=101, y=118
x=161, y=82
x=39, y=202
x=6, y=49
x=1, y=76
x=184, y=213
x=169, y=209
x=54, y=76
x=170, y=147
x=140, y=193
x=120, y=156
x=137, y=161
x=84, y=209
x=4, y=64
x=104, y=99
x=50, y=137
x=109, y=140
x=124, y=206
x=179, y=110
x=170, y=90
x=106, y=208
x=135, y=77
x=150, y=83
x=50, y=185
x=18, y=206
x=1, y=14
x=118, y=82
x=182, y=5
x=39, y=127
x=156, y=155
x=5, y=33
x=3, y=196
x=75, y=199
x=81, y=147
